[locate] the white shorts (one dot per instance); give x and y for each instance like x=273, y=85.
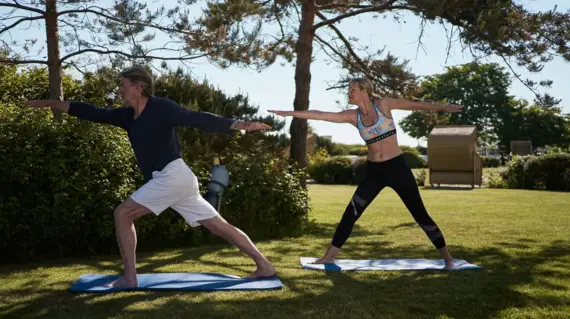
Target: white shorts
x=177, y=187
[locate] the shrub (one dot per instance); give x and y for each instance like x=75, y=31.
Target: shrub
x=359, y=170
x=409, y=149
x=340, y=170
x=318, y=158
x=265, y=198
x=61, y=182
x=494, y=180
x=421, y=177
x=547, y=172
x=491, y=161
x=358, y=150
x=414, y=160
x=334, y=170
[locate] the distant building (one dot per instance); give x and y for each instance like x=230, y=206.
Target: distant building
x=311, y=143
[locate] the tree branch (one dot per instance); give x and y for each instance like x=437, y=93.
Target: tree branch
x=336, y=87
x=20, y=21
x=19, y=6
x=130, y=56
x=276, y=13
x=347, y=45
x=12, y=61
x=359, y=67
x=341, y=5
x=518, y=76
x=353, y=13
x=154, y=26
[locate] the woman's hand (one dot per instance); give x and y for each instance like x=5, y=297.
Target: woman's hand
x=280, y=113
x=453, y=108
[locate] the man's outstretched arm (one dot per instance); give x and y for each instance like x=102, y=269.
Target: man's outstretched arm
x=85, y=111
x=56, y=104
x=176, y=115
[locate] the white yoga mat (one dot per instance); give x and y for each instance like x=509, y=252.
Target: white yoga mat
x=385, y=264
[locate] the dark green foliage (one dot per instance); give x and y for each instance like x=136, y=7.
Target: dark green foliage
x=359, y=170
x=265, y=197
x=334, y=170
x=414, y=160
x=412, y=156
x=547, y=172
x=342, y=170
x=61, y=181
x=491, y=162
x=483, y=91
x=60, y=184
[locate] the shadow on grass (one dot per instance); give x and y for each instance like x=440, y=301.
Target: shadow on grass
x=408, y=294
x=450, y=188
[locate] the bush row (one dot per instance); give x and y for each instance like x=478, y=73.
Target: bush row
x=342, y=170
x=546, y=172
x=61, y=182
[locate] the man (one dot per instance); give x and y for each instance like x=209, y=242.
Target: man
x=169, y=182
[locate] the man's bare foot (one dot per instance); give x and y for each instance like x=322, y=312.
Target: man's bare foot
x=324, y=260
x=263, y=271
x=122, y=283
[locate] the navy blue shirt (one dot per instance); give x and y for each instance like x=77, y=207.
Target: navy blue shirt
x=152, y=134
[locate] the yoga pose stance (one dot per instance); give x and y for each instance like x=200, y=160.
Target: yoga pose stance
x=169, y=182
x=386, y=166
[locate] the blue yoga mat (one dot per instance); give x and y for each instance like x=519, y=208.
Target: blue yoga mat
x=177, y=281
x=385, y=264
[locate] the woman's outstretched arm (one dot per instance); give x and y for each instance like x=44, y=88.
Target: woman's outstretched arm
x=335, y=117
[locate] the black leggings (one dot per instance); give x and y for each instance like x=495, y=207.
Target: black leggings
x=396, y=174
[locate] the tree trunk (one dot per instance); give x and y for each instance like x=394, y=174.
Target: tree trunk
x=304, y=50
x=54, y=65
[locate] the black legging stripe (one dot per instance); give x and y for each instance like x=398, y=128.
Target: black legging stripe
x=395, y=174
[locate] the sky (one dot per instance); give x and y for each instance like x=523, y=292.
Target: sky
x=274, y=87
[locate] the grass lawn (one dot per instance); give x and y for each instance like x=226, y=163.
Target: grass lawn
x=521, y=238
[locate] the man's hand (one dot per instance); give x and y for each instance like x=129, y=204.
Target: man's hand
x=250, y=126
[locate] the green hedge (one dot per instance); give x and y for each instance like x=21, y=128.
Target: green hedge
x=334, y=170
x=491, y=161
x=62, y=181
x=414, y=160
x=265, y=198
x=341, y=170
x=547, y=172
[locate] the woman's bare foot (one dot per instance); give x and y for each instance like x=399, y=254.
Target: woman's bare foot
x=122, y=283
x=262, y=271
x=324, y=260
x=329, y=256
x=449, y=265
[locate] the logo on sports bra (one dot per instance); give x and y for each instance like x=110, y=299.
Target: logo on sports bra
x=379, y=129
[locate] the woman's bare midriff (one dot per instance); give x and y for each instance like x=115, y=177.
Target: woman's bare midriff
x=384, y=150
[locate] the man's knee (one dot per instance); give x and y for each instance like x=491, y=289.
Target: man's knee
x=121, y=213
x=129, y=211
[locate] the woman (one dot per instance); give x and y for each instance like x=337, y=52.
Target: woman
x=386, y=166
